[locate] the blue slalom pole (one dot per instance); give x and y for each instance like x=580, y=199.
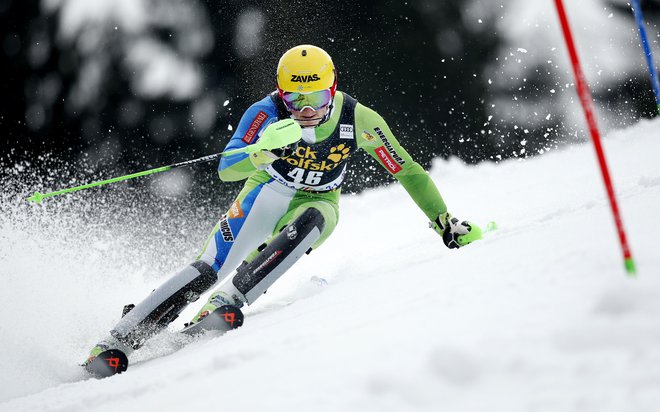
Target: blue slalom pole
x=647, y=51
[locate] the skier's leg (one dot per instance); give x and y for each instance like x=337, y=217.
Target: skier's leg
x=303, y=228
x=249, y=220
x=164, y=304
x=301, y=202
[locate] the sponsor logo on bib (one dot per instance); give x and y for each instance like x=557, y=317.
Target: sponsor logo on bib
x=345, y=131
x=306, y=158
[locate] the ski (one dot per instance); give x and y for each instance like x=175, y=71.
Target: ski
x=110, y=362
x=223, y=319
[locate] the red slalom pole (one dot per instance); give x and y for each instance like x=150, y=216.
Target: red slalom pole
x=585, y=98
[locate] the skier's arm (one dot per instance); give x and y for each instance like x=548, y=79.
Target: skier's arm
x=375, y=137
x=254, y=121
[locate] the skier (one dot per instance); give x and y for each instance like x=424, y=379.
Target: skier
x=289, y=204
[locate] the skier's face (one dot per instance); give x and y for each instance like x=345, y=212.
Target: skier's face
x=309, y=109
x=308, y=117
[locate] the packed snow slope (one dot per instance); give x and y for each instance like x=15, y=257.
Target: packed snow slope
x=538, y=316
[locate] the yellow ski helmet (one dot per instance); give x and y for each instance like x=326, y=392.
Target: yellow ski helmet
x=306, y=69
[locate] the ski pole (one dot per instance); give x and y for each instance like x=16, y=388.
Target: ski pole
x=647, y=51
x=38, y=197
x=279, y=134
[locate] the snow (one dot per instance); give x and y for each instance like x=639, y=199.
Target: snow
x=538, y=316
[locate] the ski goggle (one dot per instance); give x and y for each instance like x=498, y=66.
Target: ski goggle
x=314, y=100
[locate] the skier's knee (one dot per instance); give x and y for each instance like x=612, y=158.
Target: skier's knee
x=328, y=217
x=253, y=279
x=310, y=217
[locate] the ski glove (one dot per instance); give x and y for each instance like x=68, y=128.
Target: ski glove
x=263, y=158
x=454, y=232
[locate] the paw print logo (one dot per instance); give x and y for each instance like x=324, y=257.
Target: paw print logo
x=339, y=153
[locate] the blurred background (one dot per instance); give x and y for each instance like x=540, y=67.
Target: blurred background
x=96, y=88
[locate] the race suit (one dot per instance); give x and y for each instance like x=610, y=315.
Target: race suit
x=310, y=177
x=299, y=192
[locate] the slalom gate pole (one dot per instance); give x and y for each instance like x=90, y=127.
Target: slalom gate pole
x=585, y=98
x=647, y=50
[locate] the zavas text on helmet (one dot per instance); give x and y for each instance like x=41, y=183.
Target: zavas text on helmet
x=305, y=78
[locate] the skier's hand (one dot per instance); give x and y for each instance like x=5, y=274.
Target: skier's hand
x=280, y=134
x=264, y=158
x=454, y=232
x=285, y=151
x=278, y=140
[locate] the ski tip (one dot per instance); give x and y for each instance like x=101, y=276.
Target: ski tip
x=107, y=363
x=231, y=315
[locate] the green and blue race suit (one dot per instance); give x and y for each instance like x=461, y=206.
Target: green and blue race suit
x=310, y=177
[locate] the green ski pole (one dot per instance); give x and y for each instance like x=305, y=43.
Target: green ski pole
x=279, y=134
x=38, y=197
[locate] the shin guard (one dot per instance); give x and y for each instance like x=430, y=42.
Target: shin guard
x=252, y=279
x=164, y=304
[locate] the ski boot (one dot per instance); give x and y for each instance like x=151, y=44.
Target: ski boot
x=221, y=313
x=107, y=358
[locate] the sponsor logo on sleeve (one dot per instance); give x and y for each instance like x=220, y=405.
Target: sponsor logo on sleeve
x=389, y=147
x=235, y=210
x=345, y=131
x=225, y=229
x=251, y=133
x=387, y=161
x=368, y=137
